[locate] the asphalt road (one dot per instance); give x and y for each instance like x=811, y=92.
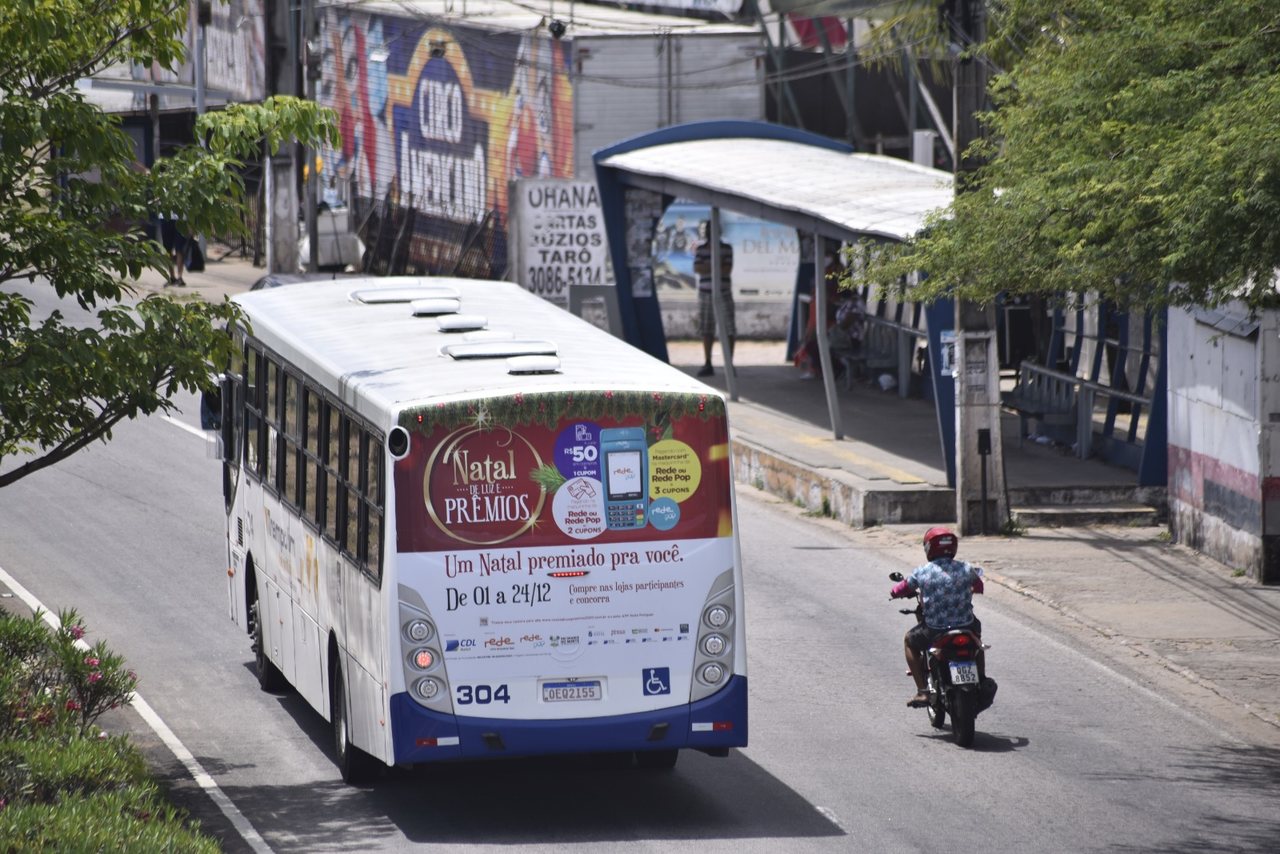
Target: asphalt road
x=1073, y=757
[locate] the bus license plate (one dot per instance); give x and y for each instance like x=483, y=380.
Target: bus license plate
x=558, y=692
x=964, y=674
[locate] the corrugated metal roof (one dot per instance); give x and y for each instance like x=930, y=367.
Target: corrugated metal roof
x=1233, y=322
x=794, y=183
x=394, y=358
x=580, y=19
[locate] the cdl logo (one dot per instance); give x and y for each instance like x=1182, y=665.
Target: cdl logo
x=456, y=644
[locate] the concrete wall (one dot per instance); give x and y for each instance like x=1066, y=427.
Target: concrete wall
x=1219, y=384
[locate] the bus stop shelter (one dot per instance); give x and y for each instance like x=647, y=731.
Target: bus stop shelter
x=817, y=185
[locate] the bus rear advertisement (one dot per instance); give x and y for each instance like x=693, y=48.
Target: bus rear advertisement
x=575, y=553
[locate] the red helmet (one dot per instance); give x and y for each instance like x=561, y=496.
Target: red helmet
x=940, y=542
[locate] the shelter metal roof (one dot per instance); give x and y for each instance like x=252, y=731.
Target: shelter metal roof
x=837, y=194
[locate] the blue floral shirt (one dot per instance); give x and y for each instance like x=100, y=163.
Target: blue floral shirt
x=946, y=588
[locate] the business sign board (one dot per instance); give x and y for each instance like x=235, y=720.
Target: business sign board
x=559, y=239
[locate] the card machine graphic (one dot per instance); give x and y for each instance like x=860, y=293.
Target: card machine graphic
x=625, y=457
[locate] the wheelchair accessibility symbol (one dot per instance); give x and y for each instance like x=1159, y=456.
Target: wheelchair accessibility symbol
x=657, y=680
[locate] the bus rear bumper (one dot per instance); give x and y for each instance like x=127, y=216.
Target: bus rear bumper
x=714, y=724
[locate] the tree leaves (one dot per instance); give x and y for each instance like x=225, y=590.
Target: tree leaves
x=1133, y=151
x=72, y=199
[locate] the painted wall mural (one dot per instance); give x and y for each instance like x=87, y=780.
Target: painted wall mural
x=437, y=120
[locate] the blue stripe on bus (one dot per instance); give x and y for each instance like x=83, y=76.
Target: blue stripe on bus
x=412, y=725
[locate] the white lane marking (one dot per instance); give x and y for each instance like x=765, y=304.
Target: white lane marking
x=195, y=431
x=162, y=731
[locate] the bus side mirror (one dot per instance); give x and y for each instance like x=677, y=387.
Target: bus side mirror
x=211, y=406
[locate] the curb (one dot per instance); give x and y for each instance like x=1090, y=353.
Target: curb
x=835, y=493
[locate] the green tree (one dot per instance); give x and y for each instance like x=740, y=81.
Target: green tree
x=1133, y=150
x=68, y=177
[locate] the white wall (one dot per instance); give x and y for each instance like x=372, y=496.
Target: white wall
x=1215, y=464
x=625, y=86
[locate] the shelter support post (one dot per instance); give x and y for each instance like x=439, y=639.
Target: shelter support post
x=824, y=346
x=717, y=302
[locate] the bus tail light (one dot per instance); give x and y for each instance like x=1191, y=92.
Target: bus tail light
x=425, y=676
x=713, y=655
x=419, y=631
x=714, y=645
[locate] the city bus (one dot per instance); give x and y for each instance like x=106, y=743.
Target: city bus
x=463, y=523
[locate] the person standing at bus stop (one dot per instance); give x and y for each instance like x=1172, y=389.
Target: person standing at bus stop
x=706, y=297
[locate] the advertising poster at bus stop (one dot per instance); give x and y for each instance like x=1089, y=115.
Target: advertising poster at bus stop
x=568, y=533
x=559, y=239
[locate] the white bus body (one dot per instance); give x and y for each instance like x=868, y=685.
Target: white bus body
x=477, y=526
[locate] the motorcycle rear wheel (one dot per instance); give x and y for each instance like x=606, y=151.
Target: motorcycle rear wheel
x=964, y=709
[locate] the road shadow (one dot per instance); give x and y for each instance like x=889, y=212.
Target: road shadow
x=572, y=799
x=983, y=742
x=1253, y=825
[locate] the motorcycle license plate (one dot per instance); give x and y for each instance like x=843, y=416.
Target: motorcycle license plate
x=964, y=673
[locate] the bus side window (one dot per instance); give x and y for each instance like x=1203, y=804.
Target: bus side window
x=252, y=410
x=372, y=519
x=314, y=493
x=347, y=430
x=332, y=474
x=354, y=441
x=273, y=472
x=292, y=440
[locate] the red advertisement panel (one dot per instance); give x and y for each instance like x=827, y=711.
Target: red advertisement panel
x=564, y=469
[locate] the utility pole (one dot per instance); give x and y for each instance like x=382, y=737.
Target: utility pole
x=280, y=169
x=311, y=42
x=982, y=504
x=204, y=17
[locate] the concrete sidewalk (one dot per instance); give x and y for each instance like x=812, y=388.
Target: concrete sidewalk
x=1185, y=625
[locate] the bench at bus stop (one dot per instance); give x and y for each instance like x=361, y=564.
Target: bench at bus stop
x=887, y=347
x=1058, y=399
x=1043, y=395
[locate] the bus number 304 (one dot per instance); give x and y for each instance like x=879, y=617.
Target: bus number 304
x=482, y=694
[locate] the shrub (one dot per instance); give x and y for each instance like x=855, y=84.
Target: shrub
x=63, y=785
x=45, y=771
x=52, y=684
x=130, y=820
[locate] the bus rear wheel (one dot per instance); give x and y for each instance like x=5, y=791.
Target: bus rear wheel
x=354, y=764
x=269, y=676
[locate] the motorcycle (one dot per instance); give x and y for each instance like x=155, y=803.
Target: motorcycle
x=958, y=684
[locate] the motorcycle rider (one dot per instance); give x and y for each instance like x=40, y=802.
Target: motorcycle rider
x=946, y=587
